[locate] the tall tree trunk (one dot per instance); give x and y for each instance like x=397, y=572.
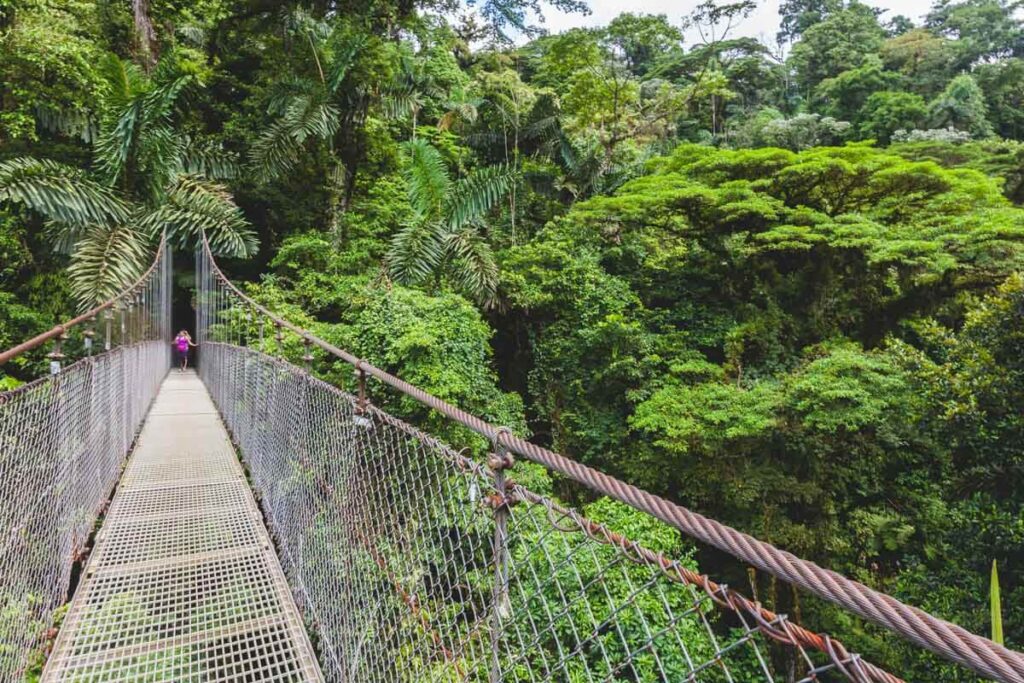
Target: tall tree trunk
x=145, y=36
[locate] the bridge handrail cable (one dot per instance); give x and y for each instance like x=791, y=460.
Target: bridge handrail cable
x=932, y=633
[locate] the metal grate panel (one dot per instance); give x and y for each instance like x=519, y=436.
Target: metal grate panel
x=180, y=500
x=127, y=541
x=183, y=584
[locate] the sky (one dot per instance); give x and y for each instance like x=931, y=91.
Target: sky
x=764, y=21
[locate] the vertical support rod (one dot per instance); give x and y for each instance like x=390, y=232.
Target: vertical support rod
x=361, y=381
x=90, y=332
x=123, y=310
x=499, y=461
x=279, y=337
x=57, y=355
x=307, y=356
x=108, y=317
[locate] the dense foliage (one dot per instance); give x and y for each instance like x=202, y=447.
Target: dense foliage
x=779, y=283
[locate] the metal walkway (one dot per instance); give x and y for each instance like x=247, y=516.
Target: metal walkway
x=183, y=584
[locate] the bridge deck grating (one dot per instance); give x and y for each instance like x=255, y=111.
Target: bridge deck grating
x=183, y=584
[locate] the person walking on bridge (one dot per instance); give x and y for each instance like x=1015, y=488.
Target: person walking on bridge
x=181, y=343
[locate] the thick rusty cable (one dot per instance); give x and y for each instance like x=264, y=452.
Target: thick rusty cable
x=937, y=635
x=58, y=330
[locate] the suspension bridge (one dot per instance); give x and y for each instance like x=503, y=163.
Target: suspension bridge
x=256, y=523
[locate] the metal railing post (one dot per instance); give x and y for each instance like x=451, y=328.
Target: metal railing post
x=500, y=460
x=88, y=334
x=57, y=355
x=307, y=355
x=108, y=317
x=360, y=373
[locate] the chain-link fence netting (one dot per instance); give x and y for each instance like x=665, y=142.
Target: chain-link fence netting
x=63, y=441
x=415, y=562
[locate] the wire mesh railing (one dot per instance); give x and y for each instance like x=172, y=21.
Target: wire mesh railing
x=416, y=562
x=63, y=441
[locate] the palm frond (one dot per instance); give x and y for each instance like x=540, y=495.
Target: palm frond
x=277, y=150
x=473, y=196
x=115, y=143
x=209, y=159
x=106, y=260
x=195, y=205
x=401, y=101
x=64, y=236
x=415, y=252
x=474, y=269
x=59, y=192
x=191, y=33
x=67, y=122
x=543, y=129
x=483, y=139
x=346, y=49
x=121, y=80
x=161, y=101
x=309, y=117
x=301, y=20
x=157, y=158
x=284, y=90
x=458, y=111
x=426, y=178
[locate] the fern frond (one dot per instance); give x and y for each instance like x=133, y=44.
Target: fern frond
x=474, y=269
x=106, y=260
x=473, y=196
x=427, y=179
x=194, y=205
x=59, y=192
x=415, y=252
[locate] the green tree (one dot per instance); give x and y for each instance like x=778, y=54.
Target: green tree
x=1003, y=85
x=796, y=16
x=839, y=43
x=446, y=228
x=48, y=56
x=886, y=112
x=926, y=61
x=961, y=106
x=844, y=96
x=322, y=105
x=983, y=29
x=642, y=39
